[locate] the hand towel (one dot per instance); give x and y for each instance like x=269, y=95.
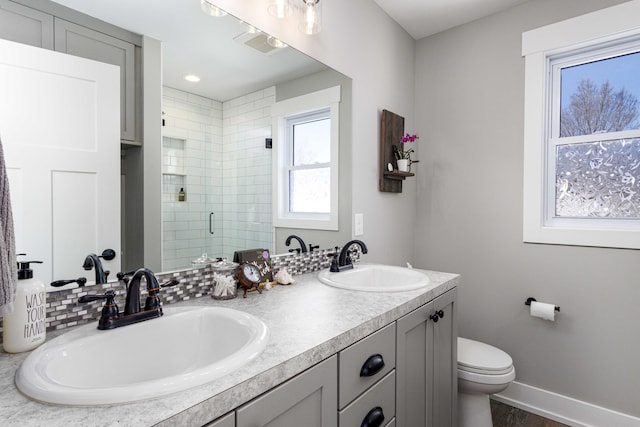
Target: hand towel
x=8, y=267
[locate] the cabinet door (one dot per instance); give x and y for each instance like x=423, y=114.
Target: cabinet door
x=309, y=400
x=25, y=25
x=444, y=372
x=228, y=420
x=412, y=359
x=81, y=41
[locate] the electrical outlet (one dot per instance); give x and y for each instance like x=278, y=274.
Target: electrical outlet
x=359, y=224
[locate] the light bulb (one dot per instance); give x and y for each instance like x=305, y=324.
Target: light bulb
x=310, y=17
x=279, y=8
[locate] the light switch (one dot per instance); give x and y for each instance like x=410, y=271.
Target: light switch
x=359, y=224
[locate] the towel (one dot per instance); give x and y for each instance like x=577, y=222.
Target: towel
x=8, y=266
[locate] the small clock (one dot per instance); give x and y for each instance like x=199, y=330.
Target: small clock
x=249, y=276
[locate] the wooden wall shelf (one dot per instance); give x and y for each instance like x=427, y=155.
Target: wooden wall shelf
x=397, y=175
x=391, y=132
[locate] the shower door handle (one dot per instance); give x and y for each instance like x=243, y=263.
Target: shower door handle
x=212, y=225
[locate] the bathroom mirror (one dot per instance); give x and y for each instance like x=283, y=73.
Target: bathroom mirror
x=226, y=184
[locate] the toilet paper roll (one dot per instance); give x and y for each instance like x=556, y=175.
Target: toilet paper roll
x=543, y=310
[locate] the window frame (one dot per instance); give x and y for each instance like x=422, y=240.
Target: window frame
x=606, y=27
x=327, y=99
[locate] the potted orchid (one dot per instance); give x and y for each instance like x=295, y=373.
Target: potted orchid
x=402, y=154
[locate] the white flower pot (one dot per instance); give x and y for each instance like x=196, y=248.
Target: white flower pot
x=403, y=165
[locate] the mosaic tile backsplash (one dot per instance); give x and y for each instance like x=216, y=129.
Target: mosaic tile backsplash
x=64, y=311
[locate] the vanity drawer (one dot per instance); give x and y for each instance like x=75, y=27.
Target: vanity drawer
x=379, y=346
x=380, y=398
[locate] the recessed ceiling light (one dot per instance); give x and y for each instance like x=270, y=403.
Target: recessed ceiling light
x=192, y=78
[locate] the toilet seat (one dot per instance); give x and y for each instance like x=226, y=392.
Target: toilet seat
x=481, y=359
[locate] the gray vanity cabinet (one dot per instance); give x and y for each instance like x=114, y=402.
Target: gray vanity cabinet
x=84, y=42
x=40, y=23
x=228, y=420
x=25, y=25
x=367, y=380
x=426, y=387
x=306, y=400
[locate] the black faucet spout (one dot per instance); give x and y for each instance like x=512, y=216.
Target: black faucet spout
x=303, y=246
x=93, y=261
x=344, y=260
x=132, y=303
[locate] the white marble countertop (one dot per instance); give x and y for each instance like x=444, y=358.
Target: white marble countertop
x=308, y=322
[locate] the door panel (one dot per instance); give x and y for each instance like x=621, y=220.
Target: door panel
x=59, y=124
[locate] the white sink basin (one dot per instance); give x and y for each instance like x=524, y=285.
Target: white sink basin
x=187, y=347
x=375, y=278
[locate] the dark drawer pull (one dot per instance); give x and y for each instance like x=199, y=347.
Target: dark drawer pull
x=437, y=315
x=372, y=366
x=374, y=418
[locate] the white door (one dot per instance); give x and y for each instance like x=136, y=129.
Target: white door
x=60, y=129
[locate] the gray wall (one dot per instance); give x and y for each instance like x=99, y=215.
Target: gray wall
x=469, y=111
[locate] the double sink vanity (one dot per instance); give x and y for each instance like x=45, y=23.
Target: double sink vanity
x=326, y=351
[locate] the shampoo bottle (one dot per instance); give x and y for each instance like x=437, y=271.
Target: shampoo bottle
x=25, y=327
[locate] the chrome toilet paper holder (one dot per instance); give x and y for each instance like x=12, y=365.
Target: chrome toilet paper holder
x=530, y=299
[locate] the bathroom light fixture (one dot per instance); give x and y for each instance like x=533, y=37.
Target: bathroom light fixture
x=310, y=20
x=276, y=42
x=208, y=8
x=279, y=8
x=192, y=78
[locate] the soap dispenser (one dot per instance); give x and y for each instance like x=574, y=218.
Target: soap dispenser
x=182, y=196
x=25, y=327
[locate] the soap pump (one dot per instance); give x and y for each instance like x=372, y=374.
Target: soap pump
x=25, y=327
x=182, y=195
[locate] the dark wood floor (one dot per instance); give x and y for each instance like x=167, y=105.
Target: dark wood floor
x=508, y=416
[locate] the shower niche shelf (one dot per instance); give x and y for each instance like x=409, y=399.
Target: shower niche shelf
x=173, y=156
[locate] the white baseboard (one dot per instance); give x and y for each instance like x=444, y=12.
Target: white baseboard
x=563, y=409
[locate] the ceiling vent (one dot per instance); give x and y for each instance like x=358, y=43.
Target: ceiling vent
x=257, y=41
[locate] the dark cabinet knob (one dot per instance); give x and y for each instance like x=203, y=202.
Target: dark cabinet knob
x=437, y=316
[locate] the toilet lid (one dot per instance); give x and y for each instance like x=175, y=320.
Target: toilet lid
x=479, y=357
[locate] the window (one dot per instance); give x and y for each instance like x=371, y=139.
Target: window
x=305, y=161
x=582, y=130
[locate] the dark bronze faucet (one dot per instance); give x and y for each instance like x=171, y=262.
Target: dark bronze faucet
x=93, y=261
x=343, y=261
x=112, y=318
x=303, y=247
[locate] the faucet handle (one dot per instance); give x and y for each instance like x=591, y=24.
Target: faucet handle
x=80, y=281
x=110, y=309
x=123, y=275
x=108, y=254
x=153, y=301
x=168, y=283
x=312, y=247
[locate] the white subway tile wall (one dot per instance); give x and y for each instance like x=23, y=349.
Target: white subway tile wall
x=246, y=172
x=191, y=148
x=221, y=146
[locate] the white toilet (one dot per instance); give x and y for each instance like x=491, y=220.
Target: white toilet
x=482, y=370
